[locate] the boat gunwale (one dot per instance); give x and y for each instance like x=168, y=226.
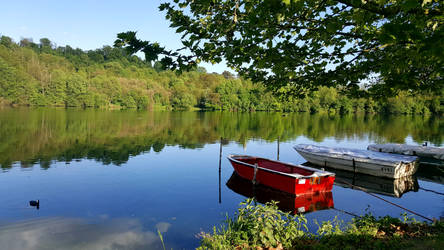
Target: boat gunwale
x=360, y=159
x=416, y=150
x=322, y=173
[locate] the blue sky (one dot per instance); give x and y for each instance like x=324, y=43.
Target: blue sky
x=88, y=24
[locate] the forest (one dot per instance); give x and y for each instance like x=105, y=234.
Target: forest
x=43, y=74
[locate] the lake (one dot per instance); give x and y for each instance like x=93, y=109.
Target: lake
x=113, y=179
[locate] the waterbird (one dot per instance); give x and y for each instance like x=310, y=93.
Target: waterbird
x=425, y=144
x=35, y=203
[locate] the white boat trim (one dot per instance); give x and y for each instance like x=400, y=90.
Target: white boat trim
x=297, y=176
x=404, y=149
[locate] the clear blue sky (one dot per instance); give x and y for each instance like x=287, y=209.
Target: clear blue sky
x=88, y=24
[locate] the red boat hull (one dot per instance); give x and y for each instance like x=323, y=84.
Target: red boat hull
x=286, y=202
x=282, y=181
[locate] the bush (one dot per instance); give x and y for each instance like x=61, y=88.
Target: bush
x=345, y=105
x=264, y=226
x=183, y=100
x=257, y=226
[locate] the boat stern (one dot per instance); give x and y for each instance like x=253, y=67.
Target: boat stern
x=406, y=169
x=314, y=184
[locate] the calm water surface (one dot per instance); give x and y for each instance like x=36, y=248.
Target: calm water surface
x=113, y=179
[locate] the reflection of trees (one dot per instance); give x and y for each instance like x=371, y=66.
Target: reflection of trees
x=40, y=136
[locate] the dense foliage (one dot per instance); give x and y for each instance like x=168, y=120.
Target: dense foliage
x=41, y=74
x=308, y=43
x=265, y=227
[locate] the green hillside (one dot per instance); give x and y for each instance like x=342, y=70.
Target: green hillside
x=42, y=74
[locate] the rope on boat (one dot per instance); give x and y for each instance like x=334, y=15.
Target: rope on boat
x=394, y=204
x=433, y=191
x=254, y=176
x=345, y=212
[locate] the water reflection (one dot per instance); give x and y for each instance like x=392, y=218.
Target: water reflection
x=176, y=182
x=431, y=174
x=74, y=233
x=385, y=186
x=41, y=136
x=286, y=202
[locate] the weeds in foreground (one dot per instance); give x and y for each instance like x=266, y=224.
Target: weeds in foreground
x=266, y=227
x=161, y=239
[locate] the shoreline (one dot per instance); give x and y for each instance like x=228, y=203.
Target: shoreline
x=266, y=227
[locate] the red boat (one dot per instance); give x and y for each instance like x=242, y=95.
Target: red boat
x=294, y=204
x=293, y=179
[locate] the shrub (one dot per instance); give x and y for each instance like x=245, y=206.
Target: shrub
x=264, y=226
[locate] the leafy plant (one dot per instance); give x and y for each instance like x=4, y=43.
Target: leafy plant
x=264, y=226
x=258, y=226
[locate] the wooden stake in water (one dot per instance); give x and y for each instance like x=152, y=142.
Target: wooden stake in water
x=278, y=149
x=220, y=165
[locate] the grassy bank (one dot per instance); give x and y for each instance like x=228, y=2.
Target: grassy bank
x=265, y=227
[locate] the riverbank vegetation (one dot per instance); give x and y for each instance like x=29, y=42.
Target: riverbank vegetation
x=42, y=74
x=265, y=227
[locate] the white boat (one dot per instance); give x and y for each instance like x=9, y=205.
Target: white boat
x=427, y=154
x=360, y=161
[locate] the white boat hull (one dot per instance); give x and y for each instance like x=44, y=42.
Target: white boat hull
x=364, y=166
x=428, y=155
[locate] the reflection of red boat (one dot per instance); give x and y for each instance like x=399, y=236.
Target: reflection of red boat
x=286, y=202
x=286, y=177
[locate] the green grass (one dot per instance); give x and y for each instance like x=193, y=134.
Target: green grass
x=265, y=227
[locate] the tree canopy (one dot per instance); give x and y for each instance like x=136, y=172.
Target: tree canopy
x=302, y=44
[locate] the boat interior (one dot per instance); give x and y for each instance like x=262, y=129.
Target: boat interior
x=273, y=165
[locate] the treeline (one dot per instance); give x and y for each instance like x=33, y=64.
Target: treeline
x=42, y=74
